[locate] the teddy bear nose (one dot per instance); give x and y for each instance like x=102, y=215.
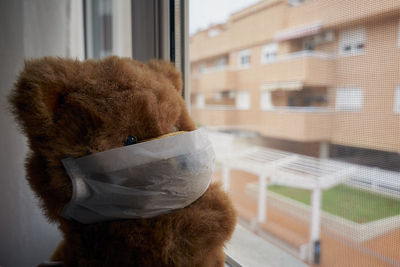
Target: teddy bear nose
x=130, y=140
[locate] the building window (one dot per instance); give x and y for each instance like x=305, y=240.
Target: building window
x=349, y=99
x=398, y=35
x=202, y=68
x=200, y=100
x=266, y=100
x=352, y=42
x=244, y=59
x=243, y=100
x=268, y=53
x=295, y=2
x=396, y=107
x=221, y=63
x=214, y=32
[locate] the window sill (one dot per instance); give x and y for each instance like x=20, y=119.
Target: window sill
x=343, y=55
x=299, y=109
x=247, y=249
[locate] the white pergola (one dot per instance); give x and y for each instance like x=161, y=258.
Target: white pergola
x=289, y=169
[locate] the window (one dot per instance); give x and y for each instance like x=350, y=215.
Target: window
x=200, y=100
x=398, y=35
x=202, y=68
x=108, y=28
x=349, y=99
x=266, y=100
x=396, y=107
x=243, y=100
x=214, y=32
x=221, y=63
x=295, y=2
x=315, y=107
x=268, y=53
x=352, y=41
x=244, y=59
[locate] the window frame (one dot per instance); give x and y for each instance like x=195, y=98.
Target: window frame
x=244, y=53
x=398, y=34
x=238, y=105
x=351, y=38
x=346, y=96
x=263, y=97
x=396, y=100
x=271, y=48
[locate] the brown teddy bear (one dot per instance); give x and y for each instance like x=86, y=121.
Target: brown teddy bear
x=69, y=108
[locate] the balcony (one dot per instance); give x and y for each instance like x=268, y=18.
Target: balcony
x=296, y=124
x=213, y=80
x=308, y=68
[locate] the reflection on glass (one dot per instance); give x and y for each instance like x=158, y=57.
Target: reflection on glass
x=108, y=28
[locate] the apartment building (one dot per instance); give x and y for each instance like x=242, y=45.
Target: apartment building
x=318, y=77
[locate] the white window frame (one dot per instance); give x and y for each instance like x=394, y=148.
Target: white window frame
x=221, y=63
x=244, y=53
x=202, y=68
x=269, y=53
x=396, y=100
x=352, y=38
x=266, y=100
x=349, y=99
x=398, y=34
x=295, y=2
x=214, y=32
x=200, y=100
x=243, y=100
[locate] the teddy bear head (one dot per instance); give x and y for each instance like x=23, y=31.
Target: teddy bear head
x=69, y=108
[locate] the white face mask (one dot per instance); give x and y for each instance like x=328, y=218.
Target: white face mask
x=142, y=180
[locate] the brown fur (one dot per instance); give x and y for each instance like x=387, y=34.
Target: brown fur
x=69, y=108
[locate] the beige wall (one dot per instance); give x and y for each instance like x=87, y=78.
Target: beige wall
x=376, y=71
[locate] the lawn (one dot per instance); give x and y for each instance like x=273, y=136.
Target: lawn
x=353, y=204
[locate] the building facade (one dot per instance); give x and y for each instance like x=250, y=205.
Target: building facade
x=319, y=76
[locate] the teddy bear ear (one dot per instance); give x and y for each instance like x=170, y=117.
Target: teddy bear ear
x=39, y=90
x=169, y=71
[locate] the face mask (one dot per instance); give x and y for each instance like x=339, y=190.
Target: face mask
x=142, y=180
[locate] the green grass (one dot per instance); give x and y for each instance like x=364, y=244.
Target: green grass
x=353, y=204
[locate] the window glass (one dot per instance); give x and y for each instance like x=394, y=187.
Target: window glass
x=308, y=146
x=200, y=100
x=266, y=101
x=295, y=2
x=221, y=63
x=398, y=35
x=202, y=68
x=108, y=28
x=243, y=100
x=397, y=100
x=214, y=32
x=349, y=99
x=352, y=41
x=268, y=53
x=244, y=59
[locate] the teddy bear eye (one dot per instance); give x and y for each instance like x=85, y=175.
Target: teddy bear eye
x=131, y=140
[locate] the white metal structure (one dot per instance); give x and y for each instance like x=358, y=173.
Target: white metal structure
x=289, y=169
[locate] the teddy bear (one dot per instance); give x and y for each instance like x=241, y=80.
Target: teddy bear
x=69, y=109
